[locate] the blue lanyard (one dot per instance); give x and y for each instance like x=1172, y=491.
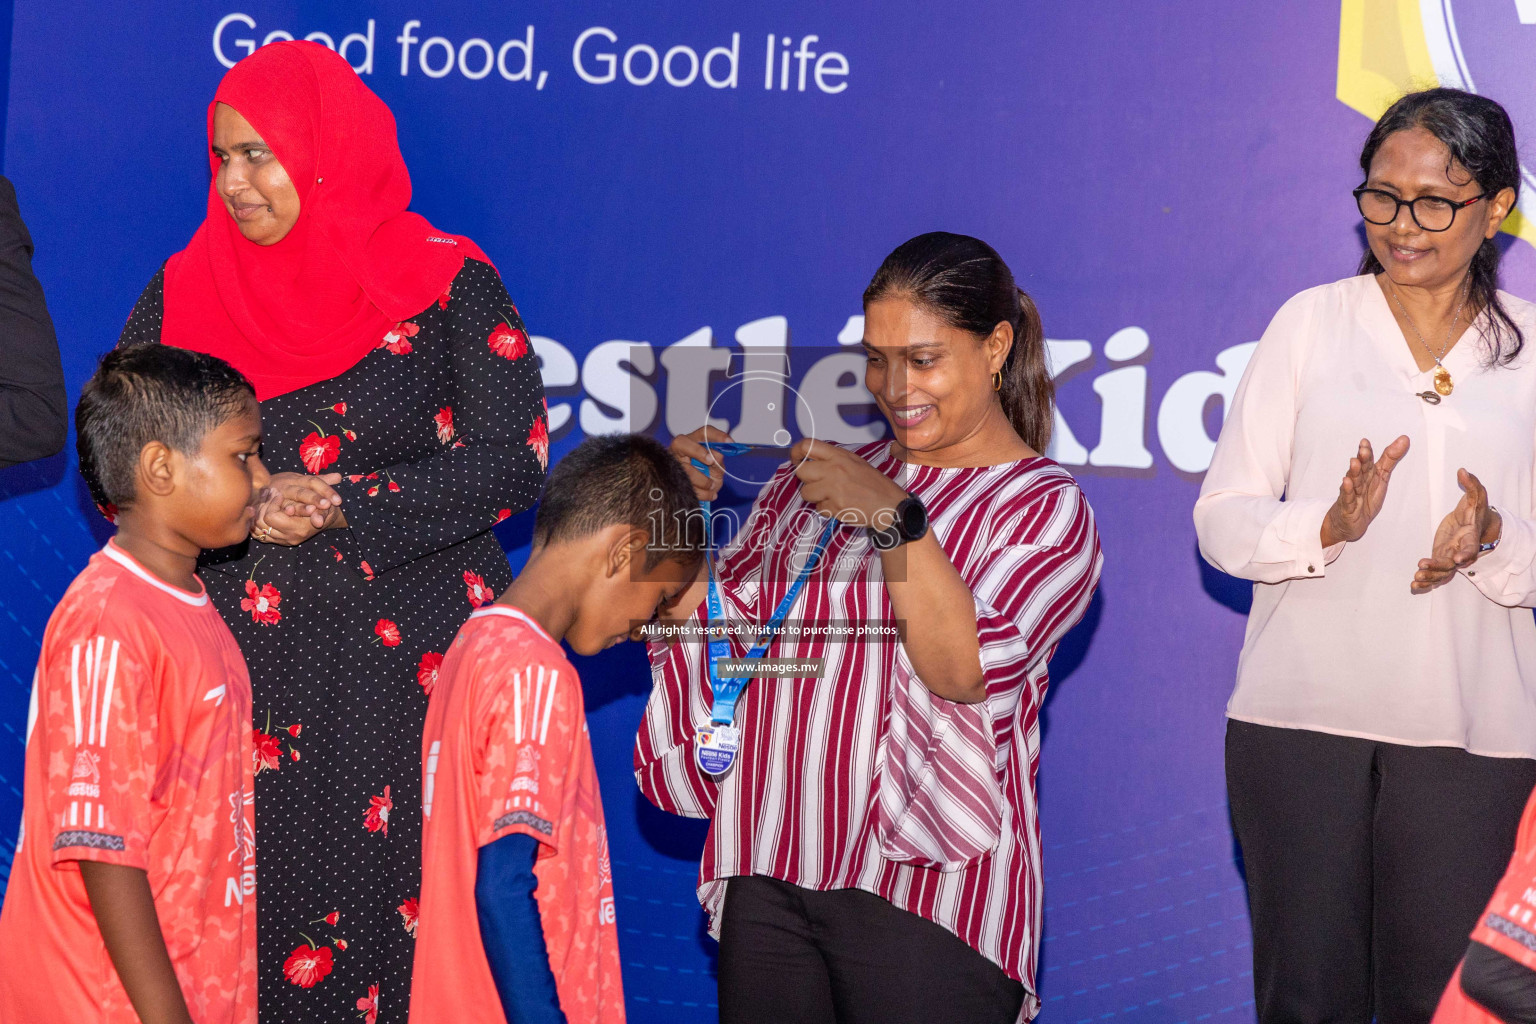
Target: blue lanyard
x=727, y=691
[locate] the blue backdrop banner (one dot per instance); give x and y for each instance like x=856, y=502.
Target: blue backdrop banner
x=679, y=194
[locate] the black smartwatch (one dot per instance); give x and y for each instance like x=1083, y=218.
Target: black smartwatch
x=911, y=524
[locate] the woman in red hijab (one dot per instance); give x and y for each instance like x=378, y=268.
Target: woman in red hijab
x=403, y=416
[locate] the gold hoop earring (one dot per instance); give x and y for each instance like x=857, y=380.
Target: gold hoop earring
x=997, y=380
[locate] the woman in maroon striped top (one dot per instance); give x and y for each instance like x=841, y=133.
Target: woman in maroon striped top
x=874, y=853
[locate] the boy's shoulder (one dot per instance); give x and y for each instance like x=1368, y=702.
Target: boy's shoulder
x=505, y=638
x=501, y=658
x=113, y=596
x=97, y=598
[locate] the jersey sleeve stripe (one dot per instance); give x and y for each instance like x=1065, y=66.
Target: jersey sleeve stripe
x=533, y=710
x=74, y=689
x=106, y=697
x=549, y=704
x=517, y=707
x=93, y=674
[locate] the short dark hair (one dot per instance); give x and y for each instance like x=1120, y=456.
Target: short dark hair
x=622, y=478
x=965, y=283
x=1480, y=137
x=144, y=393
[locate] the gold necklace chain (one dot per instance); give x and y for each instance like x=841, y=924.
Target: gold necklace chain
x=1443, y=383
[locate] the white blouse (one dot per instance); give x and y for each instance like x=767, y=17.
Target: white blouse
x=1336, y=640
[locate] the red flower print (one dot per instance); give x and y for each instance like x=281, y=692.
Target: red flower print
x=444, y=421
x=369, y=1004
x=410, y=910
x=262, y=602
x=108, y=510
x=538, y=440
x=508, y=341
x=426, y=672
x=340, y=408
x=367, y=570
x=318, y=450
x=341, y=944
x=353, y=478
x=388, y=632
x=268, y=751
x=349, y=435
x=442, y=300
x=329, y=919
x=268, y=746
x=306, y=965
x=505, y=513
x=337, y=549
x=376, y=817
x=478, y=592
x=373, y=492
x=394, y=486
x=397, y=340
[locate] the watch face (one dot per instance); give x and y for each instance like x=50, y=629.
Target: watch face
x=914, y=518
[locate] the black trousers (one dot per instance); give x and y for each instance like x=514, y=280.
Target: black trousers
x=1368, y=865
x=800, y=956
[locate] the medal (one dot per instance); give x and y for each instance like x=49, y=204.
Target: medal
x=715, y=748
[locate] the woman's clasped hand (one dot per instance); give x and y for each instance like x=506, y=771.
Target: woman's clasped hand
x=296, y=506
x=1459, y=539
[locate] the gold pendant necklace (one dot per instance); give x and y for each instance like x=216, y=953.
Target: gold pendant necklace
x=1443, y=383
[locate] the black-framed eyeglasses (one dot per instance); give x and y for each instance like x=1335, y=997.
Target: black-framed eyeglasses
x=1431, y=213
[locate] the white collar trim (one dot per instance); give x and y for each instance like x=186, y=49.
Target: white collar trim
x=516, y=613
x=126, y=560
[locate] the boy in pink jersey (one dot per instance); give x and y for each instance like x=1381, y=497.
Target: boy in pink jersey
x=516, y=917
x=1496, y=980
x=132, y=894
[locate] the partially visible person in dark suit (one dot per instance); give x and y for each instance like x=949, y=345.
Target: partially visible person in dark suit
x=33, y=414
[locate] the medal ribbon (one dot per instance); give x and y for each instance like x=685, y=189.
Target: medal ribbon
x=727, y=691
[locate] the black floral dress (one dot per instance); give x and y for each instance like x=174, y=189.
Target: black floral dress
x=440, y=432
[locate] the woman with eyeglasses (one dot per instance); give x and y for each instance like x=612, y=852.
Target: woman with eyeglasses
x=1375, y=480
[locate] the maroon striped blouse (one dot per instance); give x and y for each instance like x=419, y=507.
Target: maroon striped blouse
x=863, y=778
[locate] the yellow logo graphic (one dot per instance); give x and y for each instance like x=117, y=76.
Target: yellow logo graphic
x=1390, y=47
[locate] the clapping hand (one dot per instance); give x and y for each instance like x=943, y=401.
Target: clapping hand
x=1362, y=492
x=1459, y=538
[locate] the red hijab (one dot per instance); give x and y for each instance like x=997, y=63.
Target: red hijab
x=307, y=308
